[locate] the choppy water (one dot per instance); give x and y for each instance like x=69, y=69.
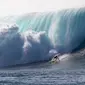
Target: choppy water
x=67, y=72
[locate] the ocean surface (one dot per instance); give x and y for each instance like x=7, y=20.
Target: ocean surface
x=69, y=71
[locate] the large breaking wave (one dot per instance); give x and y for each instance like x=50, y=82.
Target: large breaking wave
x=38, y=36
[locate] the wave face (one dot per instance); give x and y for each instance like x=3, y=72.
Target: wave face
x=38, y=36
x=65, y=28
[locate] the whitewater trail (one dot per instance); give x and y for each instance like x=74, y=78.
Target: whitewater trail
x=64, y=57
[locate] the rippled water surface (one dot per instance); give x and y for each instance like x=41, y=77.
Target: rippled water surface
x=64, y=73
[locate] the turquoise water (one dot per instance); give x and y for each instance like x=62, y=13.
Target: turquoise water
x=65, y=28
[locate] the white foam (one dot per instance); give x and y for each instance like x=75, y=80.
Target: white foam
x=64, y=57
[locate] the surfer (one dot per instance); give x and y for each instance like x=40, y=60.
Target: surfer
x=55, y=59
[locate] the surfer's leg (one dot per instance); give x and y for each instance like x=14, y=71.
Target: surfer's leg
x=58, y=59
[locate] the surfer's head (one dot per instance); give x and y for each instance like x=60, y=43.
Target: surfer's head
x=55, y=56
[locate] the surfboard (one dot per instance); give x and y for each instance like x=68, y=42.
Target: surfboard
x=54, y=61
